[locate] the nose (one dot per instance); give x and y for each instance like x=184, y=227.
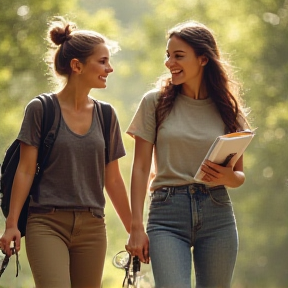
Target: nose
x=109, y=69
x=168, y=62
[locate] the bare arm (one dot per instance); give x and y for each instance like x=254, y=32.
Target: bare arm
x=117, y=192
x=229, y=176
x=22, y=183
x=138, y=242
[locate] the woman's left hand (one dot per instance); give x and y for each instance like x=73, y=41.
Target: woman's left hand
x=219, y=175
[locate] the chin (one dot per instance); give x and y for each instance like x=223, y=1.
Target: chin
x=175, y=82
x=102, y=86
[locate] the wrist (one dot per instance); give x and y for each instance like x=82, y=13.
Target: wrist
x=138, y=225
x=11, y=223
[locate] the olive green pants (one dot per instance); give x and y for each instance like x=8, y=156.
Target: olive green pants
x=66, y=248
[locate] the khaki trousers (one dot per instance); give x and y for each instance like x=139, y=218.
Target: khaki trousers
x=66, y=249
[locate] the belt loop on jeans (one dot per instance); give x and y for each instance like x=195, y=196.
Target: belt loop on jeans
x=171, y=190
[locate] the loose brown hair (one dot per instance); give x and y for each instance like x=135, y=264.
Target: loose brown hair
x=224, y=91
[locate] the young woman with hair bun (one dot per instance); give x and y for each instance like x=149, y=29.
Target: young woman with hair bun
x=65, y=234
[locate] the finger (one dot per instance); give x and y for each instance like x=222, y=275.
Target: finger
x=207, y=178
x=17, y=243
x=213, y=167
x=146, y=256
x=5, y=247
x=7, y=250
x=141, y=257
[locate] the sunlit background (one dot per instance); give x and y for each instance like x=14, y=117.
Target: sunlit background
x=253, y=34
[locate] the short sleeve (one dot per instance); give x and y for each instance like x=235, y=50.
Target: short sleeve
x=117, y=149
x=30, y=132
x=143, y=123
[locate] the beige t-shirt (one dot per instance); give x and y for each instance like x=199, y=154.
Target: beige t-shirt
x=183, y=138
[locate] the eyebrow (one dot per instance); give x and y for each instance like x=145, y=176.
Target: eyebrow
x=176, y=51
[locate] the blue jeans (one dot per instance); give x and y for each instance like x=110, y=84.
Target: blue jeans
x=192, y=216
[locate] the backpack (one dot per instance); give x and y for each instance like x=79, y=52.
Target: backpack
x=50, y=126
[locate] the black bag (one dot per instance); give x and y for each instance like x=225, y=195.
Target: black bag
x=50, y=126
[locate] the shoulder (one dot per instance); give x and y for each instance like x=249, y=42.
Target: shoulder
x=35, y=102
x=105, y=107
x=150, y=99
x=34, y=105
x=151, y=95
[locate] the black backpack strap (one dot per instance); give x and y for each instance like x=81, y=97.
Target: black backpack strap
x=49, y=130
x=106, y=113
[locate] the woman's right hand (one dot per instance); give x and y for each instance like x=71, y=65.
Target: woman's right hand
x=138, y=244
x=10, y=235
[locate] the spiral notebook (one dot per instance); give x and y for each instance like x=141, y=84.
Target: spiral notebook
x=226, y=148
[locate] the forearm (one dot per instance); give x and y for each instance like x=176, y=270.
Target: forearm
x=20, y=191
x=140, y=174
x=118, y=195
x=138, y=194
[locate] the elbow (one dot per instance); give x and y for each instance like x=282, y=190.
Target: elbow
x=238, y=180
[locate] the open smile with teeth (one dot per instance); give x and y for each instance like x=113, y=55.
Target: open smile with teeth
x=176, y=71
x=103, y=78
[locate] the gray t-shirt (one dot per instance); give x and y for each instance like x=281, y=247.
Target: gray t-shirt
x=74, y=174
x=183, y=139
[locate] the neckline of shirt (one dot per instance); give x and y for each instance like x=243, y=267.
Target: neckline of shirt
x=71, y=131
x=195, y=102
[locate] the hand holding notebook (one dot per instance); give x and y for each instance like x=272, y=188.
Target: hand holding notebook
x=226, y=148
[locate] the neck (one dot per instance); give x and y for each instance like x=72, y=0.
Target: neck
x=73, y=97
x=197, y=93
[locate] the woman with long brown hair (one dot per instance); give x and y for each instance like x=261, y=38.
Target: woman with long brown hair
x=176, y=123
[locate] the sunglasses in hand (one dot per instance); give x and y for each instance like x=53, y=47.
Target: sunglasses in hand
x=131, y=265
x=6, y=259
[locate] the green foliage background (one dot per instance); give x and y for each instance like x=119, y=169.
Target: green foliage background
x=253, y=34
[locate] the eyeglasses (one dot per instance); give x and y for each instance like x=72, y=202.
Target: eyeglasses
x=6, y=259
x=131, y=264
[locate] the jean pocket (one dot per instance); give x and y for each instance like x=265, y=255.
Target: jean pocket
x=220, y=196
x=96, y=215
x=160, y=196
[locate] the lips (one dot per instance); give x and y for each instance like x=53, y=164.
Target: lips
x=103, y=78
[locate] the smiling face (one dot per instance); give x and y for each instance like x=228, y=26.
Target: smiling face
x=185, y=66
x=97, y=67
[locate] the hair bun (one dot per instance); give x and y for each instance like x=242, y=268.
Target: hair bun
x=59, y=35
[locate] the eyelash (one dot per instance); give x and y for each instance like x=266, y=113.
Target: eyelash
x=176, y=56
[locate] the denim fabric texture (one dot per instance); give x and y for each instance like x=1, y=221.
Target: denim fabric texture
x=188, y=223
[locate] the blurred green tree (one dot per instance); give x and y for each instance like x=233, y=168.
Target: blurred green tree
x=252, y=34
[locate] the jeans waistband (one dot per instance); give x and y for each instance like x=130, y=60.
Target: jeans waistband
x=67, y=209
x=191, y=188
